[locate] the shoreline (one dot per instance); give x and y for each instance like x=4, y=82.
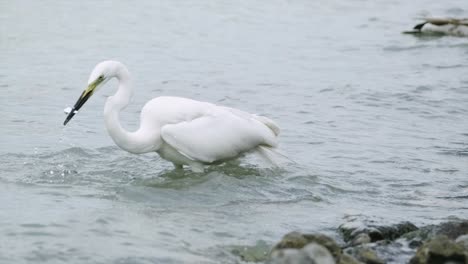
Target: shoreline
x=364, y=241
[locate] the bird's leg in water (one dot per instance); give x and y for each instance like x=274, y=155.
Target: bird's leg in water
x=178, y=166
x=197, y=167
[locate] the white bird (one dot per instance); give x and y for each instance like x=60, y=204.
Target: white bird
x=180, y=130
x=444, y=26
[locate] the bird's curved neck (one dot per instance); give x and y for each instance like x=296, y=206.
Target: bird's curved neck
x=124, y=93
x=129, y=141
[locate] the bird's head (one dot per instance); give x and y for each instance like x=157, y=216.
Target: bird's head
x=102, y=73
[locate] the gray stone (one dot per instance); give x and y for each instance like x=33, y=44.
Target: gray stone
x=348, y=259
x=440, y=249
x=451, y=230
x=368, y=256
x=375, y=232
x=318, y=253
x=312, y=253
x=463, y=241
x=257, y=253
x=289, y=256
x=360, y=239
x=291, y=240
x=297, y=240
x=327, y=242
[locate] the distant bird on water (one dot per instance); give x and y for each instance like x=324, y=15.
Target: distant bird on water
x=180, y=130
x=443, y=26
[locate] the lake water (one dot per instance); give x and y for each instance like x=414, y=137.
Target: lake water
x=376, y=121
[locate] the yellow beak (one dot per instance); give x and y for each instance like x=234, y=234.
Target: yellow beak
x=83, y=98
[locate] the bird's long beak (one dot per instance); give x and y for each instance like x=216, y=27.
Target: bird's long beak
x=83, y=98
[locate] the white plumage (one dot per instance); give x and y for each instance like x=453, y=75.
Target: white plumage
x=180, y=130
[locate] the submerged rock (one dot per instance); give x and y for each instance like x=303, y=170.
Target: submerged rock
x=357, y=234
x=452, y=230
x=440, y=249
x=257, y=253
x=397, y=251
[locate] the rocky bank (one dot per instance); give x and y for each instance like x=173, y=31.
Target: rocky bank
x=364, y=242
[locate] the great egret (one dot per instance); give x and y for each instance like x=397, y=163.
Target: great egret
x=445, y=26
x=180, y=130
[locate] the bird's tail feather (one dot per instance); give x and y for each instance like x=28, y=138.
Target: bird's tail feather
x=273, y=156
x=269, y=123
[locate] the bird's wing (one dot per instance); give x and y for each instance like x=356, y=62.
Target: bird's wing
x=444, y=21
x=217, y=137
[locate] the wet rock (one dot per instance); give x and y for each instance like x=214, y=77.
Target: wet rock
x=348, y=259
x=397, y=251
x=440, y=249
x=353, y=232
x=327, y=242
x=349, y=228
x=307, y=248
x=371, y=243
x=360, y=239
x=367, y=256
x=257, y=253
x=319, y=253
x=463, y=241
x=452, y=230
x=291, y=240
x=415, y=243
x=312, y=253
x=297, y=240
x=288, y=256
x=421, y=234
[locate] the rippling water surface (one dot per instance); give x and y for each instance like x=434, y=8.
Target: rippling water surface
x=376, y=122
